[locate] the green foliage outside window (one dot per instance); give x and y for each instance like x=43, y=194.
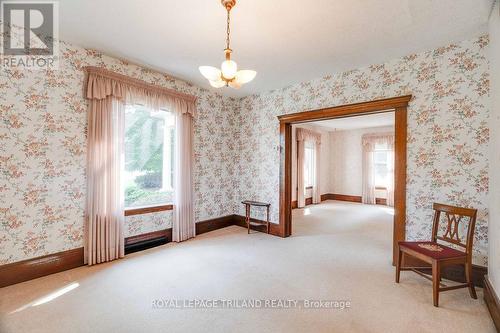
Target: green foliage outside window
x=144, y=149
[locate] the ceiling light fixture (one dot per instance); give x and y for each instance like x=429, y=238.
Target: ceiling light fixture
x=228, y=75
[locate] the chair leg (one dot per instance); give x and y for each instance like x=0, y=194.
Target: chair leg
x=398, y=265
x=468, y=278
x=436, y=275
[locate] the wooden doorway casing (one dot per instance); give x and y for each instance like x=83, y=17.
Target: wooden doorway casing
x=398, y=105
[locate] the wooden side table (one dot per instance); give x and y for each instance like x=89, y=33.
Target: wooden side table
x=248, y=204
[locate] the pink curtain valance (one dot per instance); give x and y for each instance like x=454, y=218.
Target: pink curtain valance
x=308, y=135
x=369, y=141
x=102, y=83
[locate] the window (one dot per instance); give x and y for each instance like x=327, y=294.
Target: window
x=309, y=165
x=381, y=165
x=149, y=155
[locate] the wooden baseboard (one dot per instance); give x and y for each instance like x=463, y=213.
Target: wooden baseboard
x=457, y=274
x=214, y=224
x=356, y=198
x=274, y=228
x=53, y=263
x=327, y=196
x=165, y=233
x=37, y=267
x=341, y=197
x=309, y=201
x=492, y=302
x=201, y=228
x=324, y=197
x=57, y=262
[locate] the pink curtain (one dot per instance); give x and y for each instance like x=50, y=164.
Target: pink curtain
x=390, y=184
x=301, y=199
x=183, y=222
x=368, y=178
x=369, y=143
x=104, y=221
x=303, y=136
x=102, y=83
x=317, y=173
x=108, y=93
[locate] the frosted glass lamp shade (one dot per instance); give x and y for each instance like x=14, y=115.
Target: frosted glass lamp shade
x=210, y=73
x=245, y=76
x=229, y=69
x=228, y=75
x=218, y=83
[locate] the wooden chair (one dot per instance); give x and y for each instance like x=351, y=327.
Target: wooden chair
x=439, y=255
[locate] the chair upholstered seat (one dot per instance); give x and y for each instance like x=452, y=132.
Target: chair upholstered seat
x=426, y=248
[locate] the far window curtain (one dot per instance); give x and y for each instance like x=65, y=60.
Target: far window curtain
x=108, y=93
x=316, y=180
x=301, y=200
x=390, y=183
x=369, y=143
x=304, y=135
x=368, y=178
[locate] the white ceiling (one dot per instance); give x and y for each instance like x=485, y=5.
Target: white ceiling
x=358, y=122
x=285, y=41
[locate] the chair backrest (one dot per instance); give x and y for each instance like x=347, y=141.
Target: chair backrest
x=454, y=216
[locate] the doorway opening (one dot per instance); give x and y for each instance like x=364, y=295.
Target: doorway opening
x=397, y=106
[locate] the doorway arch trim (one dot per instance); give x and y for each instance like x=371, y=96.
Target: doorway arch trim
x=398, y=105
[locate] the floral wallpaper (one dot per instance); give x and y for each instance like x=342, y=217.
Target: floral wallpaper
x=43, y=119
x=43, y=142
x=448, y=133
x=141, y=224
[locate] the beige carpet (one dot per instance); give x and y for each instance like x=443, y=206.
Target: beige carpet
x=339, y=251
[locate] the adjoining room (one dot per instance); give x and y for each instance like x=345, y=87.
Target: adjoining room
x=343, y=177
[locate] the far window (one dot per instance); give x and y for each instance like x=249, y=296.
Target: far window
x=381, y=166
x=308, y=165
x=149, y=155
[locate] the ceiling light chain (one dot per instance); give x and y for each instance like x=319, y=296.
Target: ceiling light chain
x=228, y=75
x=228, y=38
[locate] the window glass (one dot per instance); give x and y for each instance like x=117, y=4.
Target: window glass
x=149, y=155
x=381, y=165
x=381, y=168
x=309, y=165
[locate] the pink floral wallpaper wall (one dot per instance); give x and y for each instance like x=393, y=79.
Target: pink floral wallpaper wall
x=448, y=132
x=43, y=142
x=43, y=153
